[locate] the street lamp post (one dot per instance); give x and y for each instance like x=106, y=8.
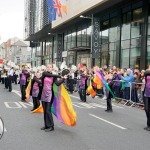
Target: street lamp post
x=91, y=51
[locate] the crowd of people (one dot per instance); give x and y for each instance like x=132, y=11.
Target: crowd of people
x=121, y=84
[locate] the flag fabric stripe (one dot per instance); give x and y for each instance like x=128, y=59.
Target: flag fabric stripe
x=62, y=106
x=28, y=91
x=99, y=74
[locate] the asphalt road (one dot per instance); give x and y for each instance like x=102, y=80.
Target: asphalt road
x=95, y=129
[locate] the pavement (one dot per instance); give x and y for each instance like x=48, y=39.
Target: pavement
x=95, y=129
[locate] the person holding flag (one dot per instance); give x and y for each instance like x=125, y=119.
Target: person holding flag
x=47, y=96
x=36, y=84
x=23, y=82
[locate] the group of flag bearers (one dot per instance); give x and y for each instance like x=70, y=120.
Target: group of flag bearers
x=42, y=88
x=46, y=87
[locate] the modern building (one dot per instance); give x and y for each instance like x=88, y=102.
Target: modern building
x=97, y=32
x=16, y=50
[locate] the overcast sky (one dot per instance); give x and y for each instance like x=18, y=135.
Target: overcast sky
x=11, y=19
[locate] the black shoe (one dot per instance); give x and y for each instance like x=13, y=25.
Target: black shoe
x=43, y=128
x=148, y=129
x=109, y=111
x=49, y=129
x=32, y=109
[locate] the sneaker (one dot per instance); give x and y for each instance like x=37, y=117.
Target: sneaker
x=104, y=98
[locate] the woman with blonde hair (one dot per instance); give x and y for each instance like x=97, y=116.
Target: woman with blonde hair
x=47, y=95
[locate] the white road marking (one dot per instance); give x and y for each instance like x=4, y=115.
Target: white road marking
x=114, y=105
x=24, y=105
x=118, y=126
x=74, y=97
x=94, y=104
x=77, y=106
x=15, y=105
x=16, y=92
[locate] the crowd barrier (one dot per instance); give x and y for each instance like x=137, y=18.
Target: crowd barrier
x=130, y=100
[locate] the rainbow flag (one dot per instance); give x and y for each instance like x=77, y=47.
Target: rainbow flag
x=62, y=106
x=28, y=91
x=100, y=75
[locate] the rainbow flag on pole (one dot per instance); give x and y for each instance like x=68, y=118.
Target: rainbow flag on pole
x=62, y=106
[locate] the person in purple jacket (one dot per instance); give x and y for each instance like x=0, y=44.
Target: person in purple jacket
x=117, y=85
x=23, y=82
x=147, y=97
x=36, y=84
x=83, y=86
x=47, y=95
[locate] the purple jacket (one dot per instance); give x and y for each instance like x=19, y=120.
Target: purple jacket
x=117, y=77
x=147, y=84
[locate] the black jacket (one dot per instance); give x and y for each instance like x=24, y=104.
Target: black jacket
x=27, y=77
x=35, y=79
x=58, y=83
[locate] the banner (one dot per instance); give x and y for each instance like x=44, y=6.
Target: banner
x=95, y=38
x=51, y=10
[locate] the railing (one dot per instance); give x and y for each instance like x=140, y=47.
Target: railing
x=130, y=100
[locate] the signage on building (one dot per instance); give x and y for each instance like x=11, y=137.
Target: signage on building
x=55, y=55
x=95, y=38
x=59, y=48
x=64, y=54
x=1, y=61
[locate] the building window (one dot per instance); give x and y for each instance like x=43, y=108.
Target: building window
x=131, y=37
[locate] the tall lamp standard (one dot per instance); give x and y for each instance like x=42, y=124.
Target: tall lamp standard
x=91, y=18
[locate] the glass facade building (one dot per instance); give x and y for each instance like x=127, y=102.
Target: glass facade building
x=124, y=37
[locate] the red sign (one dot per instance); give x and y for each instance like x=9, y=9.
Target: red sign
x=1, y=61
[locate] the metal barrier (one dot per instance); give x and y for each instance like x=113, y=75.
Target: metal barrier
x=130, y=100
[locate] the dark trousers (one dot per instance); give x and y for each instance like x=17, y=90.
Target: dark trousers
x=48, y=118
x=10, y=83
x=117, y=91
x=82, y=94
x=36, y=102
x=109, y=102
x=127, y=93
x=71, y=83
x=147, y=109
x=23, y=92
x=134, y=95
x=3, y=80
x=15, y=79
x=6, y=82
